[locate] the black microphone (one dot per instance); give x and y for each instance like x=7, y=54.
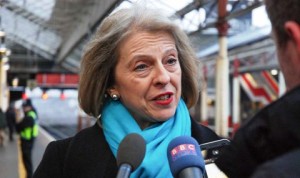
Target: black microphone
x=185, y=158
x=130, y=154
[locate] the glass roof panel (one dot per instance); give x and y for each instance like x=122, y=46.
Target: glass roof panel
x=41, y=24
x=194, y=19
x=41, y=8
x=30, y=32
x=189, y=22
x=169, y=7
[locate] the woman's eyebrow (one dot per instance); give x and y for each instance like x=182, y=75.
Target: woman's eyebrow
x=145, y=56
x=137, y=57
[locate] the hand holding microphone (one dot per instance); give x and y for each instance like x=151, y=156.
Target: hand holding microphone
x=185, y=158
x=130, y=155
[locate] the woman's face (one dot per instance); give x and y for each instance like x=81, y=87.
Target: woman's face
x=148, y=77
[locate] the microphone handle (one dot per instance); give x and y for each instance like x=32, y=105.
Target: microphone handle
x=190, y=172
x=124, y=171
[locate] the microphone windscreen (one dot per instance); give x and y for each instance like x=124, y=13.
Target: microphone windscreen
x=184, y=152
x=131, y=151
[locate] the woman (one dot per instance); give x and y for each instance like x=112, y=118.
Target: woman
x=138, y=75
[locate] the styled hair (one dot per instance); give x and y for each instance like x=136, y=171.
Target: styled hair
x=279, y=12
x=101, y=55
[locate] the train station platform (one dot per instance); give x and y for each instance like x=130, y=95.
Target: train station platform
x=10, y=155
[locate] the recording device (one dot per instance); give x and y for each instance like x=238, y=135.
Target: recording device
x=185, y=159
x=211, y=150
x=130, y=155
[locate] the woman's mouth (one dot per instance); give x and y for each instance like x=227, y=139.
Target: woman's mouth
x=164, y=97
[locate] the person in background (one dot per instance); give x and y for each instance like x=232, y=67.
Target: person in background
x=268, y=145
x=11, y=121
x=3, y=126
x=138, y=75
x=28, y=131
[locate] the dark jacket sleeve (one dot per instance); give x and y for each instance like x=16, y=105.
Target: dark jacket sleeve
x=285, y=166
x=249, y=147
x=202, y=133
x=272, y=132
x=52, y=163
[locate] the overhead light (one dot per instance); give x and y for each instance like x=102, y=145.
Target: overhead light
x=6, y=66
x=3, y=49
x=4, y=59
x=229, y=7
x=274, y=72
x=45, y=95
x=2, y=33
x=8, y=52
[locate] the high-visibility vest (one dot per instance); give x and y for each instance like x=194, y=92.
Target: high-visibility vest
x=30, y=132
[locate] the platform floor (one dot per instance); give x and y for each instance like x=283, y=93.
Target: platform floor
x=9, y=160
x=10, y=156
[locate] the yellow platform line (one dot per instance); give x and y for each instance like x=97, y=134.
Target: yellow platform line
x=21, y=167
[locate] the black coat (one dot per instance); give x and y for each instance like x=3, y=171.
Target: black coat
x=87, y=154
x=271, y=133
x=285, y=166
x=11, y=117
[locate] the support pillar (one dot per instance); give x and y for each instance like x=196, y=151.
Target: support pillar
x=236, y=119
x=222, y=74
x=3, y=86
x=203, y=105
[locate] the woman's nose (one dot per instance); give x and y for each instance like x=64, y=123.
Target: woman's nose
x=162, y=76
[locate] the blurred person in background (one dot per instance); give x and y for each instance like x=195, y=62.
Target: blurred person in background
x=138, y=75
x=11, y=121
x=3, y=126
x=268, y=145
x=27, y=128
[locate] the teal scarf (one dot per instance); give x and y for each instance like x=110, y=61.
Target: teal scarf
x=117, y=123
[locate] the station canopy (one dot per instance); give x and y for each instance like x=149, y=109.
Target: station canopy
x=49, y=35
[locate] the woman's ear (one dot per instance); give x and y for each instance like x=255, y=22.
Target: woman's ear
x=112, y=91
x=293, y=30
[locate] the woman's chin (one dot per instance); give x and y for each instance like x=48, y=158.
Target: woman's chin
x=163, y=116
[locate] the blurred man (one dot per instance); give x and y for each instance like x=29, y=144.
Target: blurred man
x=11, y=121
x=28, y=130
x=269, y=144
x=3, y=125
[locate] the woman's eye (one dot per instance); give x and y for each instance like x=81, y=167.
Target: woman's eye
x=172, y=61
x=140, y=67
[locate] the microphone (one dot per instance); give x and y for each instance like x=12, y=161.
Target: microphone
x=130, y=154
x=185, y=158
